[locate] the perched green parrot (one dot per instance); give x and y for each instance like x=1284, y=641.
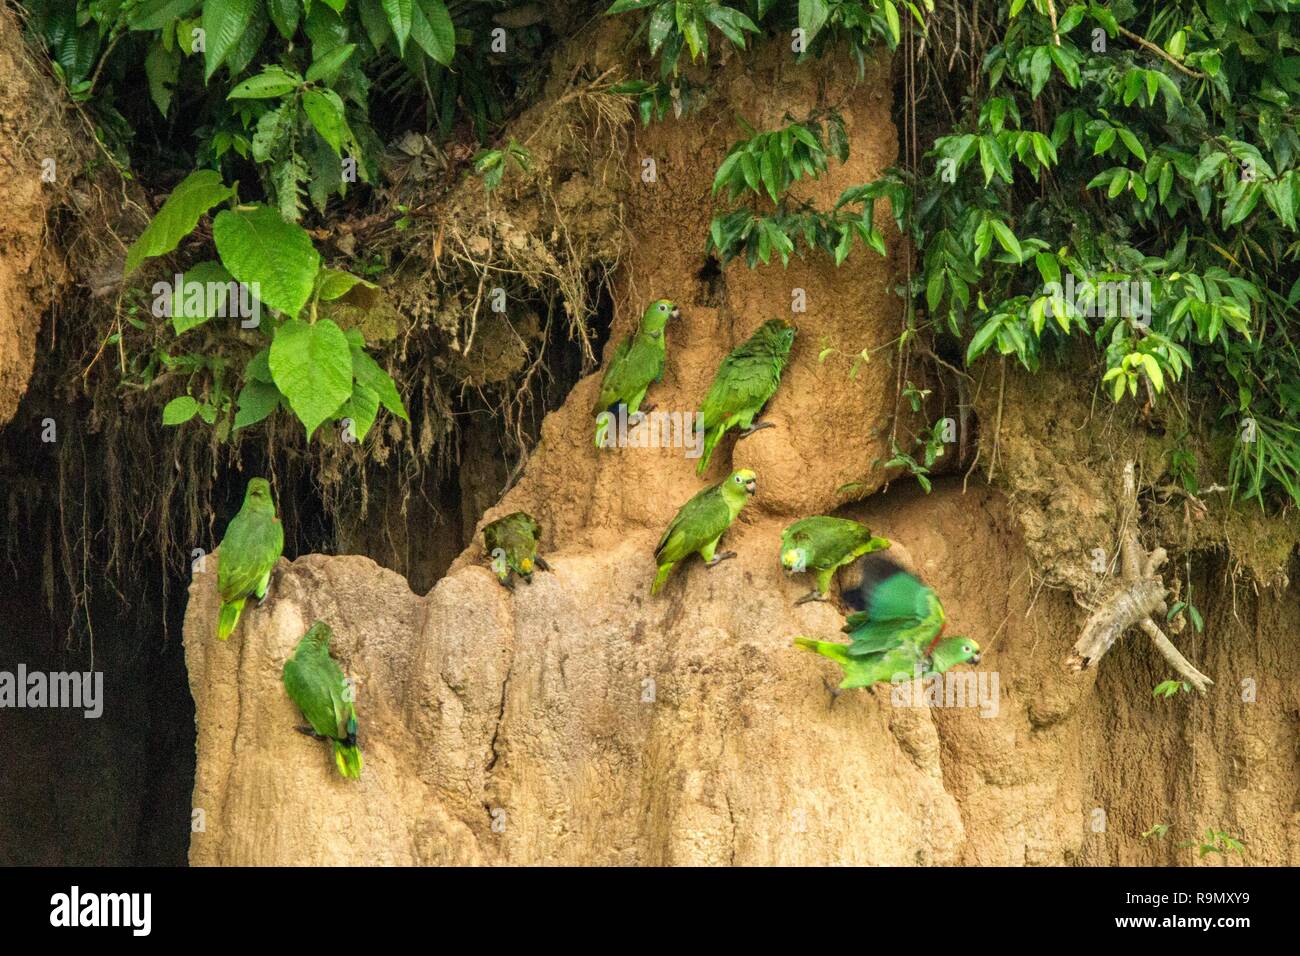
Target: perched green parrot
x=746, y=379
x=884, y=666
x=511, y=544
x=252, y=545
x=701, y=522
x=821, y=545
x=637, y=364
x=317, y=685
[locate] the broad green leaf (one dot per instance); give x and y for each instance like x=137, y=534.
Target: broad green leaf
x=312, y=366
x=256, y=400
x=179, y=410
x=204, y=292
x=271, y=82
x=325, y=110
x=400, y=14
x=361, y=409
x=335, y=283
x=432, y=29
x=368, y=373
x=327, y=67
x=196, y=194
x=157, y=14
x=162, y=66
x=285, y=14
x=812, y=17
x=224, y=23
x=276, y=259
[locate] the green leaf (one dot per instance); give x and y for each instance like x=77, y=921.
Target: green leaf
x=400, y=14
x=433, y=31
x=335, y=283
x=179, y=410
x=812, y=17
x=162, y=66
x=285, y=15
x=325, y=110
x=982, y=339
x=196, y=194
x=327, y=68
x=191, y=304
x=276, y=259
x=157, y=14
x=224, y=23
x=312, y=367
x=368, y=373
x=271, y=82
x=362, y=409
x=256, y=400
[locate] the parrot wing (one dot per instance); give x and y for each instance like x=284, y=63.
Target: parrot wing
x=611, y=385
x=744, y=382
x=828, y=542
x=899, y=609
x=252, y=545
x=313, y=684
x=638, y=362
x=701, y=520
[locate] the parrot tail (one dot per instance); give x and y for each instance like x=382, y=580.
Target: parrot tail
x=229, y=618
x=710, y=442
x=348, y=757
x=836, y=652
x=661, y=577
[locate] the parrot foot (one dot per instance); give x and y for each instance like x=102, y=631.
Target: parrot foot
x=834, y=692
x=812, y=596
x=745, y=433
x=310, y=732
x=507, y=583
x=541, y=563
x=720, y=557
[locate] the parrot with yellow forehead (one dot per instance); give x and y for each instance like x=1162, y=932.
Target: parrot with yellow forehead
x=745, y=380
x=511, y=544
x=821, y=545
x=701, y=522
x=638, y=363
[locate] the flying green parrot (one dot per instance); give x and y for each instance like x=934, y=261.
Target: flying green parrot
x=701, y=522
x=317, y=685
x=821, y=545
x=252, y=545
x=885, y=666
x=511, y=544
x=894, y=610
x=745, y=380
x=637, y=364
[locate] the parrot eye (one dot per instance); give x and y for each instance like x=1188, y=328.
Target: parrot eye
x=966, y=649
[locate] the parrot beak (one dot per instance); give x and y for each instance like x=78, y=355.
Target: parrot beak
x=751, y=486
x=975, y=659
x=676, y=313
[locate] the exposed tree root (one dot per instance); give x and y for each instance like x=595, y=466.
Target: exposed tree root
x=1142, y=595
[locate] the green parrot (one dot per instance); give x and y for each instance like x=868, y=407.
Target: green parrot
x=821, y=545
x=511, y=544
x=893, y=609
x=701, y=522
x=746, y=379
x=253, y=543
x=637, y=364
x=884, y=666
x=317, y=685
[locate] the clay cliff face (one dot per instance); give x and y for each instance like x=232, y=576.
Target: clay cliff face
x=579, y=721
